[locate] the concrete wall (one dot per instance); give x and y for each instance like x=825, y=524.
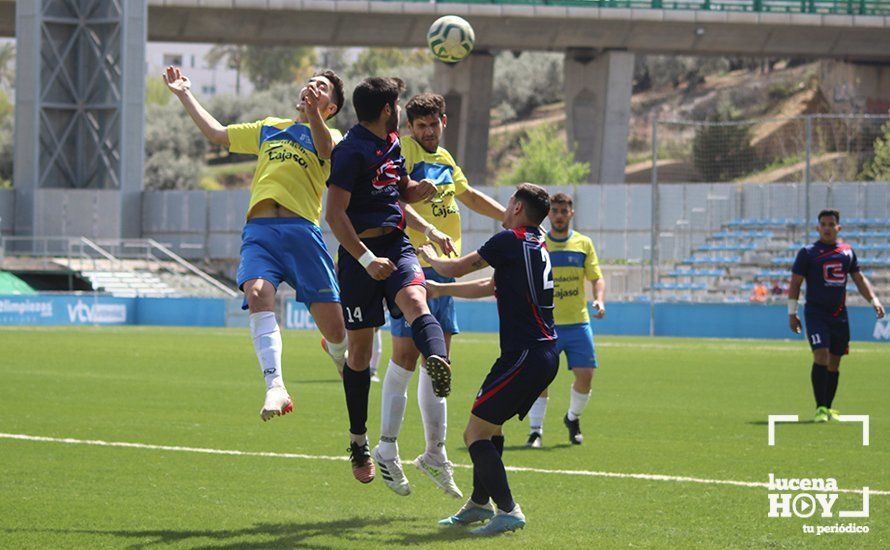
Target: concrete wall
x=203, y=224
x=7, y=211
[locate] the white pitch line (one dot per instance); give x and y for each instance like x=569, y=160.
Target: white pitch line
x=232, y=452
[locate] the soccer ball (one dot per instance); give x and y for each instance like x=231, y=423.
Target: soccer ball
x=450, y=38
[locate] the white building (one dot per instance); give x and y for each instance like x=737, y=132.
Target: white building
x=206, y=81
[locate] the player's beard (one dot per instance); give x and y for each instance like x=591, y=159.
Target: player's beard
x=392, y=123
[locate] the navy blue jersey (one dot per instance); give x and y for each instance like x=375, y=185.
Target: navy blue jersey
x=523, y=286
x=370, y=168
x=825, y=268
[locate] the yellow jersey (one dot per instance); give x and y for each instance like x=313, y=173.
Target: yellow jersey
x=443, y=211
x=288, y=169
x=573, y=260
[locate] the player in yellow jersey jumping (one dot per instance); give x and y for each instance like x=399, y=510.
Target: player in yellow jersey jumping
x=282, y=240
x=426, y=160
x=574, y=261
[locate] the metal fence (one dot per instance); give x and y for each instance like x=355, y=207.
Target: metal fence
x=734, y=198
x=838, y=7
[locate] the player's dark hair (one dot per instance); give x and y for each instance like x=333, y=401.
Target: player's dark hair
x=562, y=198
x=426, y=104
x=373, y=94
x=829, y=212
x=338, y=95
x=535, y=199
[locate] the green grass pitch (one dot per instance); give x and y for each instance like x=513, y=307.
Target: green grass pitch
x=695, y=408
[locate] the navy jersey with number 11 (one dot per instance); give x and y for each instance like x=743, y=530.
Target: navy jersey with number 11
x=524, y=287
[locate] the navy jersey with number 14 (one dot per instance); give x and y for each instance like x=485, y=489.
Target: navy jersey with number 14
x=523, y=281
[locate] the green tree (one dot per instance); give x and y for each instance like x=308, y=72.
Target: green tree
x=879, y=167
x=174, y=148
x=524, y=82
x=722, y=150
x=546, y=160
x=266, y=65
x=7, y=65
x=378, y=61
x=156, y=92
x=7, y=131
x=234, y=57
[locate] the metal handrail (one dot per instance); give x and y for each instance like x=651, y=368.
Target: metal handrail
x=818, y=7
x=191, y=267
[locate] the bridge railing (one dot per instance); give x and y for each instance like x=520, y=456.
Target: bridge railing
x=819, y=7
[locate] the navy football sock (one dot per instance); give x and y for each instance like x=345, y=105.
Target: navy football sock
x=831, y=387
x=488, y=465
x=480, y=493
x=819, y=379
x=428, y=336
x=357, y=385
x=498, y=441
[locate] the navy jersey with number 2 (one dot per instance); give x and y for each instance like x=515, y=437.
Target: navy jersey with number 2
x=524, y=287
x=825, y=268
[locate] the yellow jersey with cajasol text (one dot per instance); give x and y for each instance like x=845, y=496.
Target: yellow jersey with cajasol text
x=443, y=211
x=573, y=260
x=288, y=169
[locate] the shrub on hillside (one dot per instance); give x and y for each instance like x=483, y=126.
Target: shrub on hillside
x=722, y=151
x=546, y=160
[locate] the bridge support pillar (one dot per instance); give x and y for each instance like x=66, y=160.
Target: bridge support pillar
x=852, y=87
x=79, y=107
x=597, y=91
x=467, y=88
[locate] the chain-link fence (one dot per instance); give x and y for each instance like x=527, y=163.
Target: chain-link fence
x=734, y=199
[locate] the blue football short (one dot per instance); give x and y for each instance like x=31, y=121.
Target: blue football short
x=826, y=331
x=362, y=296
x=290, y=250
x=577, y=343
x=441, y=308
x=515, y=381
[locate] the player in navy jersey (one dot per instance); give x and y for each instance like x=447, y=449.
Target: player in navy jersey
x=523, y=285
x=376, y=260
x=824, y=265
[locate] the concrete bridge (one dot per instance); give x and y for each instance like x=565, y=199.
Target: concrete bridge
x=599, y=44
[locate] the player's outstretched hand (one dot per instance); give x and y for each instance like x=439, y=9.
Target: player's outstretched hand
x=310, y=99
x=443, y=241
x=432, y=289
x=176, y=82
x=600, y=309
x=794, y=323
x=380, y=268
x=427, y=252
x=879, y=310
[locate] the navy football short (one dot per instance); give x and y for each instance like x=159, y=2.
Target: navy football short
x=441, y=308
x=361, y=296
x=290, y=250
x=516, y=379
x=826, y=331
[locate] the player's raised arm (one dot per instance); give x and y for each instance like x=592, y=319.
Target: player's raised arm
x=452, y=267
x=321, y=134
x=181, y=87
x=867, y=291
x=480, y=288
x=479, y=202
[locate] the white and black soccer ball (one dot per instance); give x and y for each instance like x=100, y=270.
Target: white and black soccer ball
x=450, y=38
